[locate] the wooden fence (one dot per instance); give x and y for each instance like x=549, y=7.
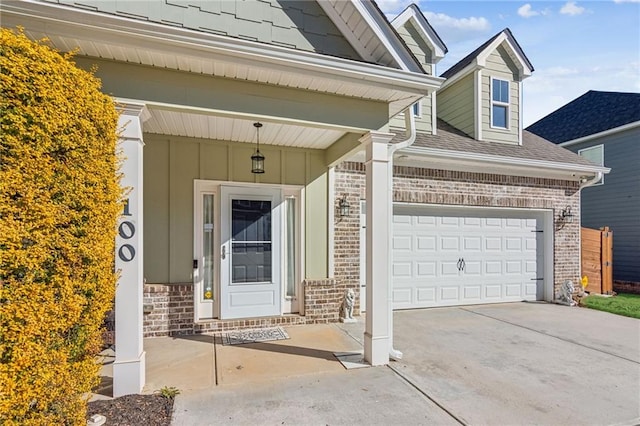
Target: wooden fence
x=597, y=259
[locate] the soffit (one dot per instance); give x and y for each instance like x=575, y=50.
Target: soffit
x=204, y=125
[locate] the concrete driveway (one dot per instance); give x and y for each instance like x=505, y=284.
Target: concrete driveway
x=522, y=363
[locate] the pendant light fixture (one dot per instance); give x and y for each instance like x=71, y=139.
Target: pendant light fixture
x=257, y=159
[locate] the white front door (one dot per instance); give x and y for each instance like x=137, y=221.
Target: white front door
x=250, y=248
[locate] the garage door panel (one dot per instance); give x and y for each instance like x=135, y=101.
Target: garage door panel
x=426, y=243
x=425, y=220
x=425, y=296
x=447, y=221
x=472, y=268
x=401, y=270
x=492, y=223
x=513, y=290
x=472, y=222
x=512, y=267
x=402, y=295
x=401, y=243
x=450, y=243
x=493, y=267
x=449, y=269
x=493, y=292
x=493, y=244
x=471, y=244
x=449, y=293
x=426, y=269
x=513, y=244
x=472, y=292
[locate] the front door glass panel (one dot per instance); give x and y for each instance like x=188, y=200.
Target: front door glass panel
x=251, y=244
x=208, y=247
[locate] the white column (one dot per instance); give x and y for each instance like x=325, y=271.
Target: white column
x=377, y=328
x=129, y=365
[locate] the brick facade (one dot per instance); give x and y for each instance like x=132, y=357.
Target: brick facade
x=169, y=310
x=455, y=188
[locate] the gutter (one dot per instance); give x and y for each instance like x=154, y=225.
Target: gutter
x=410, y=126
x=586, y=182
x=501, y=160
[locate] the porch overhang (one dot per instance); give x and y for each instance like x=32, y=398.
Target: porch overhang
x=135, y=41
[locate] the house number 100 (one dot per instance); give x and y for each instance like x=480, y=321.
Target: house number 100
x=126, y=230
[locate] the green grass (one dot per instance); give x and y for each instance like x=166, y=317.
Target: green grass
x=622, y=304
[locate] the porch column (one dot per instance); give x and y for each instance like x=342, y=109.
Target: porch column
x=129, y=365
x=377, y=328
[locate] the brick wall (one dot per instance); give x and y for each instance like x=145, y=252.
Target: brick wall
x=429, y=186
x=169, y=310
x=322, y=300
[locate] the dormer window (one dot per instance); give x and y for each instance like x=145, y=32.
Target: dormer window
x=499, y=103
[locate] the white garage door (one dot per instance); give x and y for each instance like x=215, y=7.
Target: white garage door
x=456, y=257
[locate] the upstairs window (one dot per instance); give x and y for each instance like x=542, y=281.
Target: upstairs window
x=417, y=109
x=595, y=154
x=499, y=103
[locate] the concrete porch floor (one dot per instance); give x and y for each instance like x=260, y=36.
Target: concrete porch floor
x=198, y=362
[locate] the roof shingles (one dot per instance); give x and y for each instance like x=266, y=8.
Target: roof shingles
x=533, y=147
x=591, y=113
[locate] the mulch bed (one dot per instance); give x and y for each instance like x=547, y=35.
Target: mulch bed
x=130, y=410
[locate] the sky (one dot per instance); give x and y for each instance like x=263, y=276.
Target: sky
x=574, y=46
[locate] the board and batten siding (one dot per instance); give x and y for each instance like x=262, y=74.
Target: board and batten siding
x=456, y=105
x=297, y=25
x=616, y=203
x=499, y=65
x=172, y=163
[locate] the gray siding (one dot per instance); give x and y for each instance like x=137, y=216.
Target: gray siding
x=455, y=105
x=299, y=25
x=616, y=203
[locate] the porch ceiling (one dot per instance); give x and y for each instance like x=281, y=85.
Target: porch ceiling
x=238, y=129
x=139, y=42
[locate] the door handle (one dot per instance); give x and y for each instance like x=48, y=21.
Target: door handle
x=223, y=254
x=459, y=264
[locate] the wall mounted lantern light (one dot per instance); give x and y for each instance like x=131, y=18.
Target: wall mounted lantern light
x=344, y=207
x=257, y=159
x=566, y=215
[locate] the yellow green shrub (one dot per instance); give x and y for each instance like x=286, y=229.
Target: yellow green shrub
x=59, y=195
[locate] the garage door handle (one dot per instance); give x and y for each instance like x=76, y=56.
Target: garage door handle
x=461, y=264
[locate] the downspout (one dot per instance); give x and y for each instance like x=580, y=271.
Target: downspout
x=586, y=182
x=410, y=126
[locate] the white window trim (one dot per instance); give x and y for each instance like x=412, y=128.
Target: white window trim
x=418, y=113
x=498, y=103
x=601, y=146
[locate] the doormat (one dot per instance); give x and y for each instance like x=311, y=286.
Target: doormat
x=241, y=337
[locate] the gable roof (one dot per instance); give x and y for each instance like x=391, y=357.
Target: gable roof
x=376, y=36
x=414, y=14
x=489, y=45
x=591, y=113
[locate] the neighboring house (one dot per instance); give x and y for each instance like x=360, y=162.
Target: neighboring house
x=604, y=127
x=460, y=205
